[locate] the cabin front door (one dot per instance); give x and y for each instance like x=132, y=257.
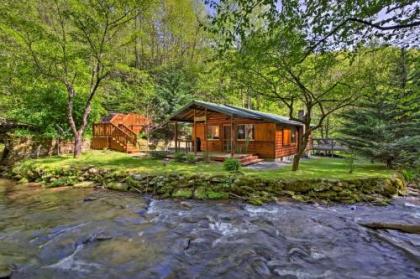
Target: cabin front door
x=227, y=141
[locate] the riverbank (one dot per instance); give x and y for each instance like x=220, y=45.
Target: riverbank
x=323, y=180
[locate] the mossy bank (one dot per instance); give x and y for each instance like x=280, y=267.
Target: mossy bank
x=248, y=188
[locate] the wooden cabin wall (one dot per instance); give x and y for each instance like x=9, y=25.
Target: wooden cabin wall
x=263, y=145
x=284, y=150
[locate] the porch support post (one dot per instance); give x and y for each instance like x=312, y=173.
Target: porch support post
x=232, y=152
x=194, y=137
x=176, y=136
x=206, y=133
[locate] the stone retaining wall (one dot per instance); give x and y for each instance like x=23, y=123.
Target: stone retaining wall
x=250, y=189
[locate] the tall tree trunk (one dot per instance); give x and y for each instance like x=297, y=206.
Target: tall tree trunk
x=6, y=151
x=77, y=150
x=302, y=144
x=77, y=133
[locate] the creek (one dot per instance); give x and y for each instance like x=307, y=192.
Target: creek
x=94, y=233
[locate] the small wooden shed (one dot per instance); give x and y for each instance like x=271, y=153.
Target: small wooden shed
x=235, y=130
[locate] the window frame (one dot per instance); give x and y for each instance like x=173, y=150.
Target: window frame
x=246, y=132
x=286, y=139
x=292, y=139
x=209, y=134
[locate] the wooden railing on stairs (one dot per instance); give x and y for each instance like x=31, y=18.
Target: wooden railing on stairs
x=132, y=136
x=108, y=135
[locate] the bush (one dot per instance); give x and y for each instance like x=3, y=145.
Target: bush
x=158, y=154
x=232, y=165
x=190, y=158
x=179, y=157
x=410, y=175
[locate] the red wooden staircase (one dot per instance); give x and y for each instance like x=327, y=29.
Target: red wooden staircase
x=118, y=131
x=110, y=136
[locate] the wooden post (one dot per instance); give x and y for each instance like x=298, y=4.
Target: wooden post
x=206, y=133
x=176, y=136
x=194, y=137
x=232, y=152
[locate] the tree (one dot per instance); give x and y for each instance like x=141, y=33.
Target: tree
x=321, y=85
x=298, y=49
x=71, y=43
x=327, y=25
x=386, y=126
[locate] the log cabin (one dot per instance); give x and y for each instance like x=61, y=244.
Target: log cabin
x=119, y=131
x=231, y=130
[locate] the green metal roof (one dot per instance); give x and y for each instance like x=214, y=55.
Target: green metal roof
x=233, y=111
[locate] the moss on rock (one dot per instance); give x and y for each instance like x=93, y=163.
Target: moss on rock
x=252, y=189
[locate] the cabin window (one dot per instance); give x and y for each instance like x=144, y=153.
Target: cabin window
x=213, y=132
x=293, y=135
x=289, y=136
x=246, y=132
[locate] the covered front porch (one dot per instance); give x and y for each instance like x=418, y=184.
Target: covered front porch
x=208, y=132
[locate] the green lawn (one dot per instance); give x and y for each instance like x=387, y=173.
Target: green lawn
x=309, y=168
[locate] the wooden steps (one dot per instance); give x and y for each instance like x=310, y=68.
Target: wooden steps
x=131, y=148
x=119, y=138
x=250, y=160
x=244, y=159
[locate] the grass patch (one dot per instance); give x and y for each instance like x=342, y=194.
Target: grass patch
x=328, y=168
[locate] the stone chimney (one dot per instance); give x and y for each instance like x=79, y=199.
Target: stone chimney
x=301, y=114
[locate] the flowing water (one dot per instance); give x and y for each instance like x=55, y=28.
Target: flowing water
x=88, y=233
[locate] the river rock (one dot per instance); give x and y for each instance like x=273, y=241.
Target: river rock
x=218, y=178
x=5, y=272
x=102, y=236
x=85, y=184
x=261, y=268
x=186, y=204
x=117, y=186
x=138, y=177
x=298, y=186
x=93, y=171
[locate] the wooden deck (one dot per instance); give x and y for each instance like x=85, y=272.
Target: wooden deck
x=327, y=146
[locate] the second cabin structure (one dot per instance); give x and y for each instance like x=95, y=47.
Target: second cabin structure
x=118, y=131
x=238, y=132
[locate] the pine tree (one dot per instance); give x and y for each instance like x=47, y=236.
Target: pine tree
x=385, y=125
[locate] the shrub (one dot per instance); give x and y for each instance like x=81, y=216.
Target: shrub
x=179, y=157
x=232, y=165
x=158, y=154
x=190, y=158
x=409, y=175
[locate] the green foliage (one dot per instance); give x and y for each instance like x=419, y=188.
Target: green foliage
x=232, y=165
x=63, y=181
x=386, y=124
x=179, y=157
x=158, y=154
x=325, y=25
x=410, y=174
x=190, y=158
